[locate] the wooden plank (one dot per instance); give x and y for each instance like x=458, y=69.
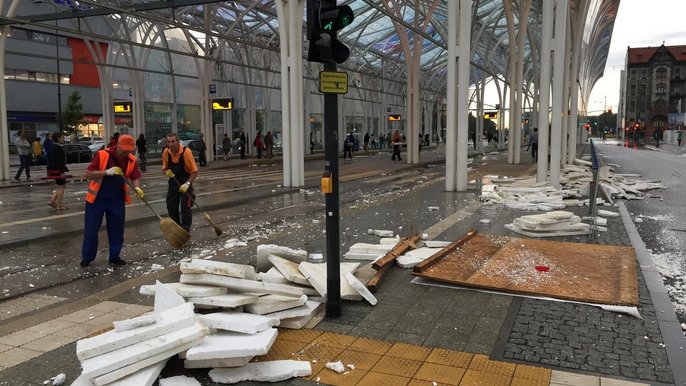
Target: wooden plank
x=374, y=282
x=443, y=252
x=404, y=245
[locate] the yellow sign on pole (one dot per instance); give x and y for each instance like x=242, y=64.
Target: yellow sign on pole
x=333, y=82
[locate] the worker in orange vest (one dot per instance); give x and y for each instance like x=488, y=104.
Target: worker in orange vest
x=107, y=195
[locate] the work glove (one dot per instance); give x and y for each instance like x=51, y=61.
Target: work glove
x=114, y=171
x=170, y=173
x=183, y=188
x=139, y=193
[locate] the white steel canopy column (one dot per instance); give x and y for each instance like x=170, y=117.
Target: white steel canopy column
x=4, y=132
x=290, y=31
x=559, y=111
x=459, y=52
x=544, y=93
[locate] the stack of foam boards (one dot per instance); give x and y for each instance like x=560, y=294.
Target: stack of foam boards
x=367, y=251
x=556, y=223
x=137, y=349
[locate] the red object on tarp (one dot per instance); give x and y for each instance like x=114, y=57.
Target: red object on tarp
x=542, y=268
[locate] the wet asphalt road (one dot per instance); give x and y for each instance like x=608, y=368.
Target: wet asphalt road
x=661, y=215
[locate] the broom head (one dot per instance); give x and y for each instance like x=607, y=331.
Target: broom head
x=176, y=235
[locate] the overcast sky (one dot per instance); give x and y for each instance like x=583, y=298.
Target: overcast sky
x=639, y=23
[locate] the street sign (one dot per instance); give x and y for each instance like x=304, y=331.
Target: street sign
x=213, y=88
x=333, y=82
x=122, y=107
x=222, y=104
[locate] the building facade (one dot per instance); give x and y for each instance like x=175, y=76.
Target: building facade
x=654, y=89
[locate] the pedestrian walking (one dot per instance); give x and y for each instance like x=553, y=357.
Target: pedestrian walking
x=56, y=169
x=533, y=144
x=107, y=195
x=243, y=143
x=113, y=140
x=396, y=140
x=24, y=150
x=142, y=146
x=269, y=144
x=366, y=141
x=679, y=137
x=226, y=146
x=202, y=151
x=178, y=164
x=348, y=146
x=47, y=145
x=311, y=142
x=381, y=141
x=37, y=150
x=257, y=142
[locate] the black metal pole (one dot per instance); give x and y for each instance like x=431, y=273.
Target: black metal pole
x=59, y=82
x=333, y=269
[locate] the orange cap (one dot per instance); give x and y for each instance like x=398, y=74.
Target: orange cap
x=126, y=142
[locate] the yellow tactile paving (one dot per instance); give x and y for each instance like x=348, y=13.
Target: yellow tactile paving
x=371, y=346
x=483, y=363
x=348, y=378
x=482, y=378
x=331, y=339
x=375, y=379
x=532, y=372
x=419, y=382
x=318, y=356
x=409, y=351
x=361, y=360
x=450, y=358
x=305, y=336
x=397, y=366
x=440, y=373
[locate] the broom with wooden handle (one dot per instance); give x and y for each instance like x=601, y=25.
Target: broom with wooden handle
x=173, y=232
x=206, y=216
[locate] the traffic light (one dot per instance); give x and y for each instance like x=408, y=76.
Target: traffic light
x=324, y=19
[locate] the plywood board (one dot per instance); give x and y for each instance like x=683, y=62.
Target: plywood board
x=574, y=271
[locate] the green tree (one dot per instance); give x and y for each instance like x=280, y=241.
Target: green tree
x=72, y=115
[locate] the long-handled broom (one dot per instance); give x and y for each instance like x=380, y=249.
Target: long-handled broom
x=173, y=232
x=206, y=216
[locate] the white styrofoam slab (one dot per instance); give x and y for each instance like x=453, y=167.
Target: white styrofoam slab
x=288, y=269
x=362, y=256
x=233, y=345
x=238, y=322
x=228, y=300
x=187, y=290
x=273, y=303
x=179, y=380
x=415, y=256
x=137, y=322
x=378, y=249
x=166, y=298
x=273, y=276
x=240, y=271
x=264, y=250
x=273, y=371
x=436, y=244
x=308, y=308
x=211, y=363
x=316, y=274
x=242, y=285
x=296, y=323
x=142, y=354
x=120, y=373
x=360, y=288
x=176, y=318
x=143, y=377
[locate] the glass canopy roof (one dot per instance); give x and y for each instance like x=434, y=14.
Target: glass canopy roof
x=375, y=36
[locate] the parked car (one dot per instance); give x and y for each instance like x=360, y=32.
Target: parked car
x=95, y=145
x=77, y=153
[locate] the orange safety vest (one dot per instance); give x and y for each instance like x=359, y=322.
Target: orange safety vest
x=94, y=185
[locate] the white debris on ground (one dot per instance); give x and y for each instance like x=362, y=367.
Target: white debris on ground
x=336, y=366
x=550, y=224
x=180, y=380
x=57, y=380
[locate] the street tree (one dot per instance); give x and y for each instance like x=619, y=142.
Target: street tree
x=72, y=116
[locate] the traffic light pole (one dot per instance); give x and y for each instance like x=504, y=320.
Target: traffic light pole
x=333, y=269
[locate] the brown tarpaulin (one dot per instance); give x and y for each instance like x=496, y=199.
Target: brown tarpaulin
x=604, y=274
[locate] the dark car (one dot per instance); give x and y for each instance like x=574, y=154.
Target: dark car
x=77, y=153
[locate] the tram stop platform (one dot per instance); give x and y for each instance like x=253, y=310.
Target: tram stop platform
x=416, y=334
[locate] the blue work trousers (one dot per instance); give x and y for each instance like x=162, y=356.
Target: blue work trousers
x=115, y=212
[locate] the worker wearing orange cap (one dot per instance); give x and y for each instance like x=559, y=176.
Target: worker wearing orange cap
x=106, y=196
